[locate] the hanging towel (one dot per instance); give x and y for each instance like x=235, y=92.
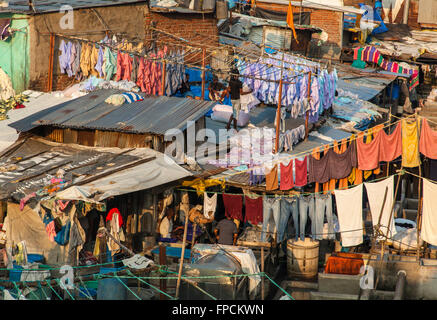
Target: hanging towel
x=333, y=165
x=384, y=147
x=287, y=176
x=410, y=144
x=300, y=172
x=429, y=215
x=272, y=179
x=254, y=210
x=233, y=206
x=375, y=194
x=209, y=205
x=350, y=215
x=428, y=141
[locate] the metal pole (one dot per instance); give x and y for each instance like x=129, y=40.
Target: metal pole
x=300, y=13
x=182, y=257
x=203, y=73
x=278, y=111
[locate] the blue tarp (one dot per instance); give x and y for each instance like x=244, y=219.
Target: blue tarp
x=374, y=16
x=174, y=252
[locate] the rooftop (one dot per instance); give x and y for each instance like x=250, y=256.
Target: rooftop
x=153, y=115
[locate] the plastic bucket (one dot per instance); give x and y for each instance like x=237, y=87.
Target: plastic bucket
x=111, y=288
x=303, y=258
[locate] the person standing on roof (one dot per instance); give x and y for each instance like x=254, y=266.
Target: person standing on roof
x=235, y=89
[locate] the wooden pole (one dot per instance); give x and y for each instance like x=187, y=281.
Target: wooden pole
x=262, y=270
x=203, y=73
x=181, y=263
x=420, y=196
x=278, y=111
x=307, y=114
x=51, y=59
x=300, y=13
x=162, y=262
x=193, y=238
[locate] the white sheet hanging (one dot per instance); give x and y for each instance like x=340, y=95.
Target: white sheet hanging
x=350, y=215
x=429, y=215
x=375, y=193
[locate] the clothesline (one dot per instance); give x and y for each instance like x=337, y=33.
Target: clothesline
x=308, y=152
x=164, y=60
x=300, y=193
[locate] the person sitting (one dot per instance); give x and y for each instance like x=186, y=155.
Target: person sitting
x=226, y=232
x=215, y=89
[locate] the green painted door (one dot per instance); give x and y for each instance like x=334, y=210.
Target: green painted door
x=14, y=52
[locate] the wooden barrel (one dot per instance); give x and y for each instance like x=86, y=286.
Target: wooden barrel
x=302, y=258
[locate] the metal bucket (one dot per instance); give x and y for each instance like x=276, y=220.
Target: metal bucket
x=302, y=258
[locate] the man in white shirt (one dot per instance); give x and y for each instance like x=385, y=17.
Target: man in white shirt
x=166, y=225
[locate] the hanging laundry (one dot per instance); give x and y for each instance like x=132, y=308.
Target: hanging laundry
x=254, y=210
x=124, y=66
x=350, y=215
x=375, y=194
x=371, y=54
x=99, y=64
x=287, y=181
x=109, y=64
x=271, y=209
x=323, y=206
x=333, y=165
x=410, y=144
x=85, y=60
x=209, y=205
x=64, y=57
x=428, y=141
x=272, y=179
x=429, y=215
x=233, y=206
x=75, y=58
x=383, y=148
x=301, y=172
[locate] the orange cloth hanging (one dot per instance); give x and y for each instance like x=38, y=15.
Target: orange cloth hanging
x=326, y=184
x=316, y=155
x=342, y=184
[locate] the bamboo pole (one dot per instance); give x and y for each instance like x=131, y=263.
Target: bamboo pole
x=203, y=73
x=278, y=111
x=307, y=115
x=51, y=63
x=262, y=270
x=181, y=263
x=420, y=196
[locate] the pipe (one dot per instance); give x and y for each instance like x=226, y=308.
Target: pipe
x=400, y=285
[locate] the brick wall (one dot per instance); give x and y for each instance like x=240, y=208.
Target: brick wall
x=196, y=28
x=329, y=21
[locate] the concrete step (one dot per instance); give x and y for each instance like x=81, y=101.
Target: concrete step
x=382, y=295
x=411, y=203
x=332, y=296
x=410, y=214
x=339, y=283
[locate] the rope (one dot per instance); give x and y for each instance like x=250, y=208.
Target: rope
x=272, y=281
x=65, y=288
x=20, y=294
x=116, y=276
x=152, y=286
x=43, y=291
x=48, y=283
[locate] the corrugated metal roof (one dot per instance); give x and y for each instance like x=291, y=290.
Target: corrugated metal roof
x=55, y=6
x=152, y=115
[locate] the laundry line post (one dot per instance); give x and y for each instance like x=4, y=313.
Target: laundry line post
x=278, y=111
x=181, y=263
x=420, y=194
x=262, y=270
x=203, y=73
x=307, y=114
x=162, y=262
x=51, y=60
